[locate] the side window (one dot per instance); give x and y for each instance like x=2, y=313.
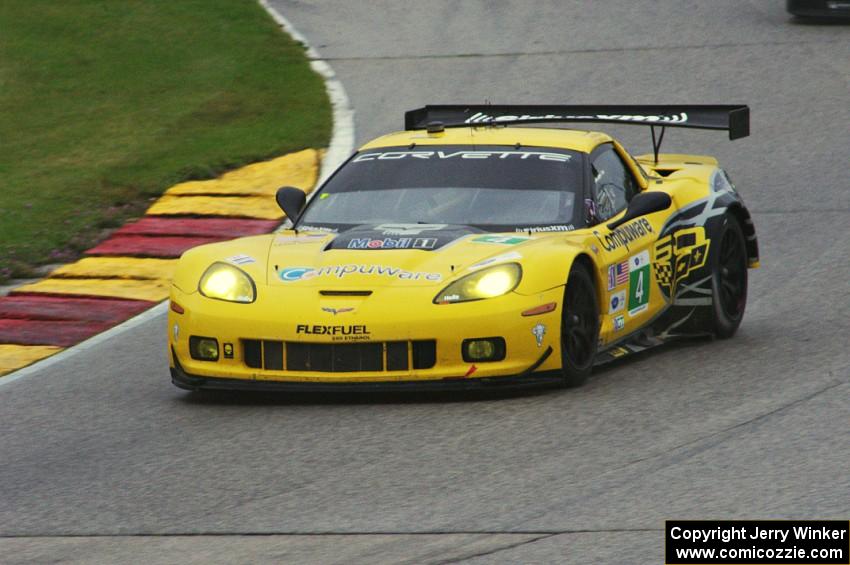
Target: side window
x=613, y=184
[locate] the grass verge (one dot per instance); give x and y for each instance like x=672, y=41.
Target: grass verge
x=105, y=104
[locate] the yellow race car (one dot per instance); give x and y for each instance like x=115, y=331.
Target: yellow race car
x=467, y=252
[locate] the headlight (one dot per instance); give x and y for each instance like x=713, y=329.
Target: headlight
x=226, y=282
x=486, y=283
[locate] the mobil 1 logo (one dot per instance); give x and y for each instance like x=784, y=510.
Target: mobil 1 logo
x=638, y=283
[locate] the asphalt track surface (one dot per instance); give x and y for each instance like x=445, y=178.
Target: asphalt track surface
x=103, y=460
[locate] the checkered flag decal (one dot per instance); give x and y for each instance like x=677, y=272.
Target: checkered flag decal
x=664, y=274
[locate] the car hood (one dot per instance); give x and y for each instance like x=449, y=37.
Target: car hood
x=387, y=254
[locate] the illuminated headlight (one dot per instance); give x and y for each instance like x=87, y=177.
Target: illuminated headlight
x=226, y=282
x=486, y=283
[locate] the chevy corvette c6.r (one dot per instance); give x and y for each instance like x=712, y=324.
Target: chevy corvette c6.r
x=464, y=252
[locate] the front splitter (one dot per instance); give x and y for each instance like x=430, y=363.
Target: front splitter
x=526, y=379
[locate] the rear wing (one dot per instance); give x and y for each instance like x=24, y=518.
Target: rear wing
x=733, y=118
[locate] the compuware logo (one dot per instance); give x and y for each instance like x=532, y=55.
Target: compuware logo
x=293, y=274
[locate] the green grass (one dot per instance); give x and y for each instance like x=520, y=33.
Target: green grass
x=105, y=103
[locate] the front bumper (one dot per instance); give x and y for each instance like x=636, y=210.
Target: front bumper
x=524, y=380
x=394, y=315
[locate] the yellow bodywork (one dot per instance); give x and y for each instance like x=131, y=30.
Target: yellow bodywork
x=403, y=309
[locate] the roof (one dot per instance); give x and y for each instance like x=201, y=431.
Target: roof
x=577, y=140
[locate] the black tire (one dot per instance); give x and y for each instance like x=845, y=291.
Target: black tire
x=579, y=327
x=728, y=279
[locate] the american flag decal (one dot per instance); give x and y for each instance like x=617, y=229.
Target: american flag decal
x=618, y=274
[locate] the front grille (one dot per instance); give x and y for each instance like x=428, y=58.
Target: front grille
x=378, y=356
x=252, y=352
x=273, y=355
x=397, y=355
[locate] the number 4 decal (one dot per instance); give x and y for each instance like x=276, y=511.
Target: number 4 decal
x=638, y=283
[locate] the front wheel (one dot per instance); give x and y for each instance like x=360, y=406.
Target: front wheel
x=579, y=327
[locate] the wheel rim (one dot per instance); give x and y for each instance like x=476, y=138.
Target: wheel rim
x=579, y=328
x=732, y=281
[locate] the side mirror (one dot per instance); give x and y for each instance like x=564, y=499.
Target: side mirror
x=291, y=200
x=642, y=204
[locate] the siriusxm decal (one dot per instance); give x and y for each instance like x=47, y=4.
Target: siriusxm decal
x=533, y=229
x=293, y=274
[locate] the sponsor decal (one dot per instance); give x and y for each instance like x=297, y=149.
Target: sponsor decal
x=619, y=323
x=441, y=155
x=424, y=243
x=512, y=255
x=539, y=330
x=391, y=243
x=317, y=228
x=617, y=302
x=336, y=333
x=502, y=239
x=595, y=251
x=175, y=331
x=638, y=283
x=625, y=234
x=302, y=238
x=293, y=274
x=472, y=369
x=677, y=255
x=336, y=311
x=482, y=118
x=533, y=229
x=228, y=351
x=408, y=229
x=618, y=274
x=241, y=259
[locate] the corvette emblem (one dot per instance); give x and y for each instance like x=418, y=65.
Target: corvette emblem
x=336, y=311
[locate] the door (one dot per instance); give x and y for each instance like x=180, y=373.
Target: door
x=626, y=252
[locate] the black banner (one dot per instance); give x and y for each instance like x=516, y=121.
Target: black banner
x=808, y=542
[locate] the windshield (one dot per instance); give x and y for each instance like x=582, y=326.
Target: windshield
x=491, y=187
